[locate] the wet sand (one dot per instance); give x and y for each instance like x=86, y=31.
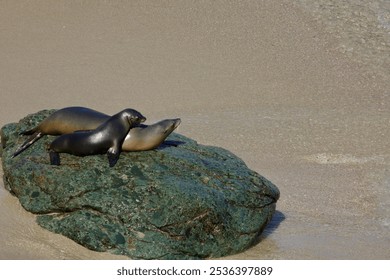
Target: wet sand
x=262, y=79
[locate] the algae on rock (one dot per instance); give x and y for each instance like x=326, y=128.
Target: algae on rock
x=181, y=201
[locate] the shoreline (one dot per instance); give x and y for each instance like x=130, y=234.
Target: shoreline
x=259, y=79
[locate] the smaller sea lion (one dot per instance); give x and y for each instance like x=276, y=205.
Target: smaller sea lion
x=106, y=138
x=147, y=137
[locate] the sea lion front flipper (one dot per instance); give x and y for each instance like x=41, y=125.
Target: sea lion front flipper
x=113, y=155
x=34, y=137
x=54, y=158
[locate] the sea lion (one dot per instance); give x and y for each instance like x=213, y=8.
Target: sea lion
x=71, y=119
x=147, y=137
x=63, y=121
x=108, y=137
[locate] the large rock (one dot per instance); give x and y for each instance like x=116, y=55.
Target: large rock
x=181, y=201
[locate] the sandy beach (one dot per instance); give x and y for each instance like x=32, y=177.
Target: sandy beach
x=266, y=80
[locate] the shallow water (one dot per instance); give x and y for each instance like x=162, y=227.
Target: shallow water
x=362, y=28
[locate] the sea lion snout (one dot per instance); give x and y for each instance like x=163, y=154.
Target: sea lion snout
x=176, y=123
x=171, y=125
x=136, y=119
x=141, y=120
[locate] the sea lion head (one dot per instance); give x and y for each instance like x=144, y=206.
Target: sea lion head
x=133, y=116
x=167, y=126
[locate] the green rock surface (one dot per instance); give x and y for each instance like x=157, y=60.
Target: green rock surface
x=180, y=201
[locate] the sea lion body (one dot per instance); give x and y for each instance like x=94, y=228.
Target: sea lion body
x=68, y=120
x=108, y=137
x=71, y=119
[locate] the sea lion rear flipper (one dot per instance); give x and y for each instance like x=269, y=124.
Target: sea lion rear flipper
x=34, y=137
x=113, y=156
x=28, y=132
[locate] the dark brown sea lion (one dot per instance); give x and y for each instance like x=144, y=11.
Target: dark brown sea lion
x=106, y=138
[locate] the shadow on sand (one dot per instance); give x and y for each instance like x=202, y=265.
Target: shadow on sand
x=276, y=220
